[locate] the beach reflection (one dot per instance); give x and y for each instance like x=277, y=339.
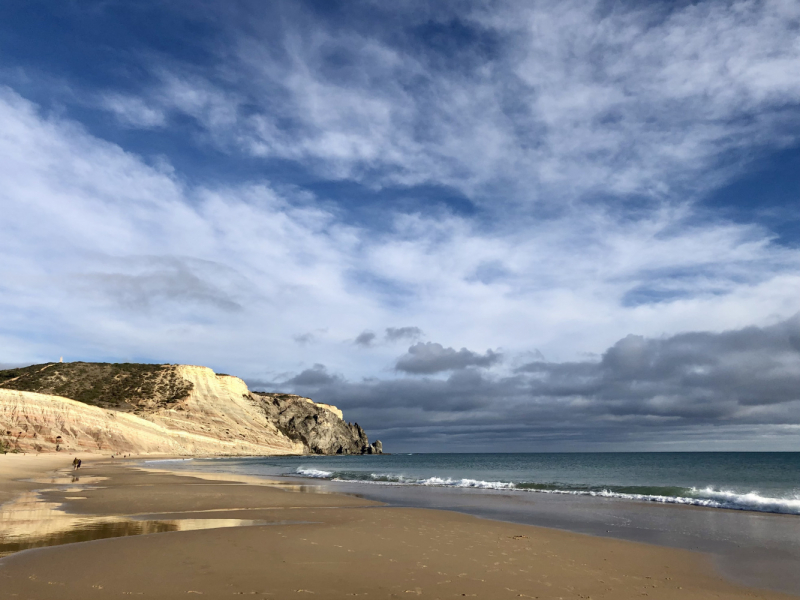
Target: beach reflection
x=85, y=531
x=68, y=480
x=289, y=484
x=31, y=522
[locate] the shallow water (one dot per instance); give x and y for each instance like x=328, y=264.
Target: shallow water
x=751, y=481
x=29, y=521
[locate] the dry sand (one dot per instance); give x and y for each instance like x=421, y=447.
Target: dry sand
x=320, y=545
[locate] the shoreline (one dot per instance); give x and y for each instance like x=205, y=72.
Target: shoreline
x=752, y=548
x=711, y=486
x=331, y=544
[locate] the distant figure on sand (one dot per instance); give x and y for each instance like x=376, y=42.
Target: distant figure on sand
x=74, y=463
x=79, y=463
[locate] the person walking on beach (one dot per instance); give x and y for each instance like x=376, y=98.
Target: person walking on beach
x=74, y=463
x=79, y=463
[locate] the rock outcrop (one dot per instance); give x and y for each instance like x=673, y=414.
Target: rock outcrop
x=319, y=427
x=163, y=409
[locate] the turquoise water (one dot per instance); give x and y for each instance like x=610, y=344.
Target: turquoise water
x=756, y=481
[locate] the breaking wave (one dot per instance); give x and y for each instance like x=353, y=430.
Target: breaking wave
x=314, y=473
x=708, y=497
x=402, y=479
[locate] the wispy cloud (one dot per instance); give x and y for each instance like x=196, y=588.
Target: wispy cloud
x=133, y=111
x=635, y=100
x=93, y=213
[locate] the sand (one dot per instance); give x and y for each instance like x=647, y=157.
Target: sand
x=16, y=468
x=322, y=545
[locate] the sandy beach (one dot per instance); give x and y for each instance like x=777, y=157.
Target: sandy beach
x=297, y=542
x=15, y=469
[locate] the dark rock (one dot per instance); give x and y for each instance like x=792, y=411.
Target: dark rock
x=376, y=448
x=318, y=428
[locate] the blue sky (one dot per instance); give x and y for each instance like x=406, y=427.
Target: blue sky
x=450, y=219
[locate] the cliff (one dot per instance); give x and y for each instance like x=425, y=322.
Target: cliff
x=163, y=409
x=319, y=427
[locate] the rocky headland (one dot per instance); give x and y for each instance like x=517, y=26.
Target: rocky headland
x=163, y=409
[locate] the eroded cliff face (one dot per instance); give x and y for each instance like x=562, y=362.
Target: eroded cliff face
x=163, y=409
x=319, y=427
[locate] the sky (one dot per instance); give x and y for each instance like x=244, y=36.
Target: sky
x=500, y=226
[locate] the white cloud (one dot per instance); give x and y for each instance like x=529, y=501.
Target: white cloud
x=133, y=111
x=109, y=256
x=577, y=98
x=573, y=108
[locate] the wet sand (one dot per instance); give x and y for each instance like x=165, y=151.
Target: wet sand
x=17, y=469
x=326, y=545
x=752, y=548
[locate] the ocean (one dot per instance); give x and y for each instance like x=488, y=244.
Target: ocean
x=750, y=481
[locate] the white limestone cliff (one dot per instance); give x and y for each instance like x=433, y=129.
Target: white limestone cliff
x=218, y=417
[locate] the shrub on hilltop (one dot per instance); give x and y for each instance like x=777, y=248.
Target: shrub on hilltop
x=124, y=386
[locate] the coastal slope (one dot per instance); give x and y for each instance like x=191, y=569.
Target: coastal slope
x=163, y=409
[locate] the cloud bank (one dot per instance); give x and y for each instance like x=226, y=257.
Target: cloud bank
x=282, y=196
x=708, y=390
x=429, y=357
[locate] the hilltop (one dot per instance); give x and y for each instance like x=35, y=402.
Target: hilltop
x=163, y=409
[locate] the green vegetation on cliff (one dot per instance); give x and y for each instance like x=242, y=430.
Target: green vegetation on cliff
x=121, y=385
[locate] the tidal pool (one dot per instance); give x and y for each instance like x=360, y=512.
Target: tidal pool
x=29, y=521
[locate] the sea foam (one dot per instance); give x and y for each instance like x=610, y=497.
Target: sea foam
x=316, y=473
x=707, y=497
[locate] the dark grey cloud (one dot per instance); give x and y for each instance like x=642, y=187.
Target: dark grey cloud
x=304, y=338
x=365, y=339
x=310, y=336
x=717, y=375
x=394, y=334
x=730, y=390
x=316, y=376
x=430, y=357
